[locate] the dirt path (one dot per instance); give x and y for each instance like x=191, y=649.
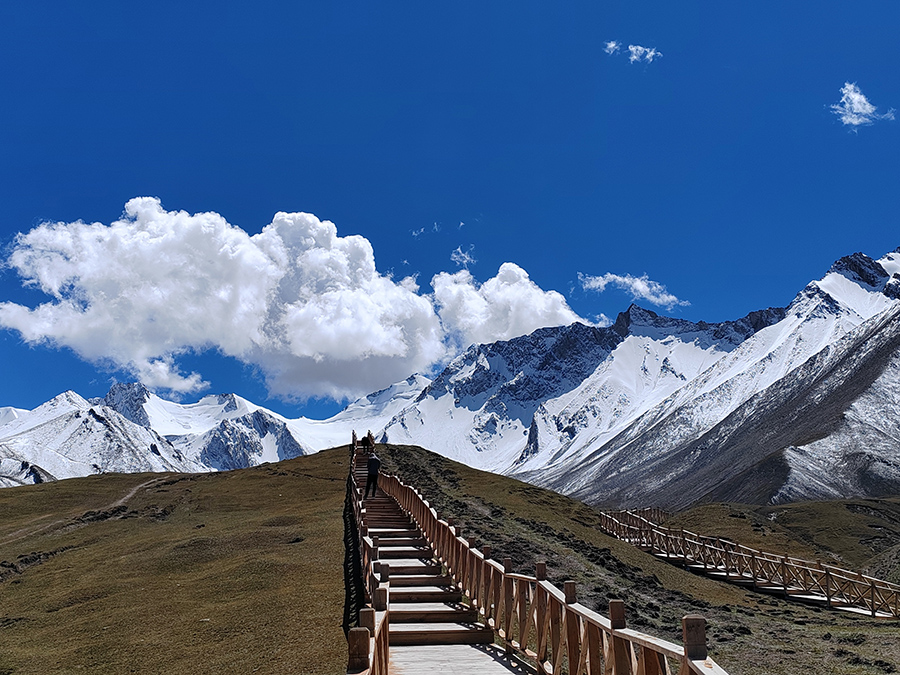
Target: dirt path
x=24, y=532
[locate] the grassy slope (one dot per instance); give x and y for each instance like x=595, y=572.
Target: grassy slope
x=236, y=572
x=748, y=632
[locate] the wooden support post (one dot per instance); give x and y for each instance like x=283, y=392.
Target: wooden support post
x=784, y=583
x=380, y=600
x=507, y=566
x=486, y=552
x=367, y=619
x=693, y=629
x=358, y=643
x=617, y=613
x=621, y=656
x=385, y=572
x=540, y=571
x=569, y=589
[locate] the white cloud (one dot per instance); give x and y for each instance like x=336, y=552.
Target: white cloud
x=612, y=47
x=300, y=303
x=463, y=258
x=855, y=109
x=638, y=53
x=640, y=288
x=506, y=306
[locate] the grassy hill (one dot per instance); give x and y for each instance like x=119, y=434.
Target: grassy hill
x=241, y=572
x=236, y=572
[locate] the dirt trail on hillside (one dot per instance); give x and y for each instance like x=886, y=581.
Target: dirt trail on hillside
x=24, y=532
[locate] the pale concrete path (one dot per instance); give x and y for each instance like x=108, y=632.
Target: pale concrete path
x=454, y=660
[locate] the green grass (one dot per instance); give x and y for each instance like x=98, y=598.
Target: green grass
x=237, y=572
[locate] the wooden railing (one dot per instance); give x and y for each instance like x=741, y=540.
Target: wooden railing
x=805, y=579
x=369, y=644
x=536, y=620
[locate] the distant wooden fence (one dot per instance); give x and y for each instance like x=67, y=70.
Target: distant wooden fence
x=531, y=616
x=794, y=577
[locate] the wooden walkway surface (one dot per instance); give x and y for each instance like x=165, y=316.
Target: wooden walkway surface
x=453, y=660
x=433, y=630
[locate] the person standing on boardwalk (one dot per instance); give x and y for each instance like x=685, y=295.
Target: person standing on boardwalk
x=372, y=467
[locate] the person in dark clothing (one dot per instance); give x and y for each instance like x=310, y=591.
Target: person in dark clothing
x=372, y=467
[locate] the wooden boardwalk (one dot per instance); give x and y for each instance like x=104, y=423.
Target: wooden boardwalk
x=437, y=605
x=433, y=628
x=803, y=580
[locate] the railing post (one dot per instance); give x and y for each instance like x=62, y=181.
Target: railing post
x=621, y=659
x=367, y=619
x=385, y=572
x=358, y=643
x=693, y=629
x=569, y=590
x=381, y=599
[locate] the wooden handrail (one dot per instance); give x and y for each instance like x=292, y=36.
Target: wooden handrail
x=839, y=588
x=535, y=619
x=369, y=644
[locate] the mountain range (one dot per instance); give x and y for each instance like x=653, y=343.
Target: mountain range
x=784, y=404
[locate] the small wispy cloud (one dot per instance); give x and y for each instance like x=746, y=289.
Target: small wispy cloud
x=612, y=47
x=638, y=53
x=463, y=258
x=640, y=288
x=855, y=110
x=418, y=233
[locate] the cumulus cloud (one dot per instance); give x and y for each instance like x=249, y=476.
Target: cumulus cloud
x=300, y=303
x=640, y=288
x=638, y=53
x=506, y=306
x=855, y=110
x=612, y=47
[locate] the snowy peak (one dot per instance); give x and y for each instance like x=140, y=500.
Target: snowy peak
x=128, y=399
x=639, y=321
x=861, y=269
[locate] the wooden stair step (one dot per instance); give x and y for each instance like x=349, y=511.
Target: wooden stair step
x=413, y=567
x=402, y=581
x=431, y=612
x=423, y=594
x=394, y=552
x=440, y=634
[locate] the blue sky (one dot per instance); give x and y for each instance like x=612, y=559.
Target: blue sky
x=723, y=167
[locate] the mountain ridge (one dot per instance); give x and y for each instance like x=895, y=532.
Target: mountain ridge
x=586, y=409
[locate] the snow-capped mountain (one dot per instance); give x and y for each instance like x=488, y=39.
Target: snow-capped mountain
x=69, y=436
x=132, y=429
x=636, y=413
x=786, y=403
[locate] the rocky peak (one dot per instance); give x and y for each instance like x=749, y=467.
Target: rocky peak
x=860, y=268
x=128, y=399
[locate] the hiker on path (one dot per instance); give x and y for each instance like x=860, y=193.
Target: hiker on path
x=372, y=467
